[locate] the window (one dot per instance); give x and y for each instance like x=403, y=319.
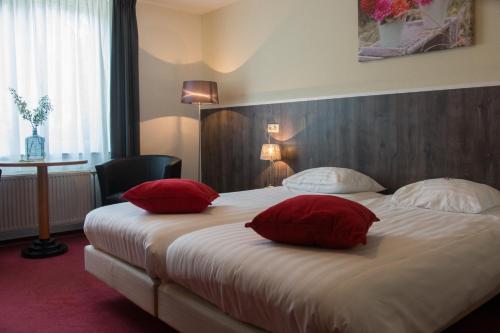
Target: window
x=59, y=48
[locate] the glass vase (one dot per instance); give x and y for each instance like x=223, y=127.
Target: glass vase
x=35, y=147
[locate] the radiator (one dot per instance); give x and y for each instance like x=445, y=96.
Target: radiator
x=71, y=197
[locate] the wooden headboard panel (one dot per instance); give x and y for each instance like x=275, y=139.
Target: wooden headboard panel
x=396, y=139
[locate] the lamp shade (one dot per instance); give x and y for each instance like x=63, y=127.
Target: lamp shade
x=200, y=92
x=270, y=152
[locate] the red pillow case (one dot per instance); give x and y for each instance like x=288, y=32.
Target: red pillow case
x=172, y=196
x=318, y=220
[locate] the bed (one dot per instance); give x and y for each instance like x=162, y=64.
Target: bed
x=206, y=271
x=421, y=271
x=128, y=246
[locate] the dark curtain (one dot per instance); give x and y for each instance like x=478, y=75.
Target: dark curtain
x=124, y=113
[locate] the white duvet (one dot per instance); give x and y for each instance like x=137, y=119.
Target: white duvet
x=141, y=239
x=420, y=272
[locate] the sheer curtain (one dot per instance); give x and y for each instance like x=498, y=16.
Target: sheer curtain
x=59, y=48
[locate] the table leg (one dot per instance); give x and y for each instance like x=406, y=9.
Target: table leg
x=44, y=246
x=43, y=202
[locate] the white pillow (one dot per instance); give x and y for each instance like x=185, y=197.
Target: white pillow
x=449, y=195
x=332, y=180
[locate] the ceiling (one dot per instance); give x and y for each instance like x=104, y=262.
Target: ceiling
x=192, y=6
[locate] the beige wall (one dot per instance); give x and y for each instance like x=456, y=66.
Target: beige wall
x=268, y=50
x=170, y=51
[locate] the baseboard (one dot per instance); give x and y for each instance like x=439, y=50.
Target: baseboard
x=33, y=232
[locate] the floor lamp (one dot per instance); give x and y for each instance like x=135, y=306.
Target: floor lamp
x=199, y=93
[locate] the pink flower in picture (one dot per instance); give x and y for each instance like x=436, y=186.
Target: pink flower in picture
x=383, y=9
x=399, y=7
x=368, y=6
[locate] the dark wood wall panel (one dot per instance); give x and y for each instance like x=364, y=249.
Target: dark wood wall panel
x=396, y=139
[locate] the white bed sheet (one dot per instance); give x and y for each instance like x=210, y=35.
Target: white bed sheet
x=141, y=239
x=420, y=271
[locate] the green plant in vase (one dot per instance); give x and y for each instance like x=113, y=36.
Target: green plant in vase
x=35, y=144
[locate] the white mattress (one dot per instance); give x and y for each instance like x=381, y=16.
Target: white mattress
x=420, y=271
x=141, y=239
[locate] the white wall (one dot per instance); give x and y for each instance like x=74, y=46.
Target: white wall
x=267, y=50
x=170, y=51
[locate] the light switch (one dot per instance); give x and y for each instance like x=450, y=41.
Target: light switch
x=273, y=128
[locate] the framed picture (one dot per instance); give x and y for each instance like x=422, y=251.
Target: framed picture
x=393, y=28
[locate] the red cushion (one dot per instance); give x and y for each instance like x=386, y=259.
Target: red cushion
x=172, y=196
x=320, y=220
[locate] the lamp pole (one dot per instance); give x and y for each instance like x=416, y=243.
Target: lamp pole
x=271, y=164
x=271, y=173
x=199, y=142
x=199, y=92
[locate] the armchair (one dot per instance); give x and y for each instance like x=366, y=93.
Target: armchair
x=119, y=175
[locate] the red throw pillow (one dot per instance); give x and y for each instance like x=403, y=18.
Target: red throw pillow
x=320, y=220
x=172, y=196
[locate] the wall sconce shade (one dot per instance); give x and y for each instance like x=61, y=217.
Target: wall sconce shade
x=200, y=92
x=270, y=152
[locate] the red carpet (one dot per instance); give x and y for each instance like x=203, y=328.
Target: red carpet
x=57, y=295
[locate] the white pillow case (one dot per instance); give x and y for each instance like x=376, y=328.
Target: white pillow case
x=449, y=195
x=332, y=180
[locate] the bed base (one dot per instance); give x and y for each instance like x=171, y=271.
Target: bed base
x=129, y=281
x=189, y=313
x=175, y=305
